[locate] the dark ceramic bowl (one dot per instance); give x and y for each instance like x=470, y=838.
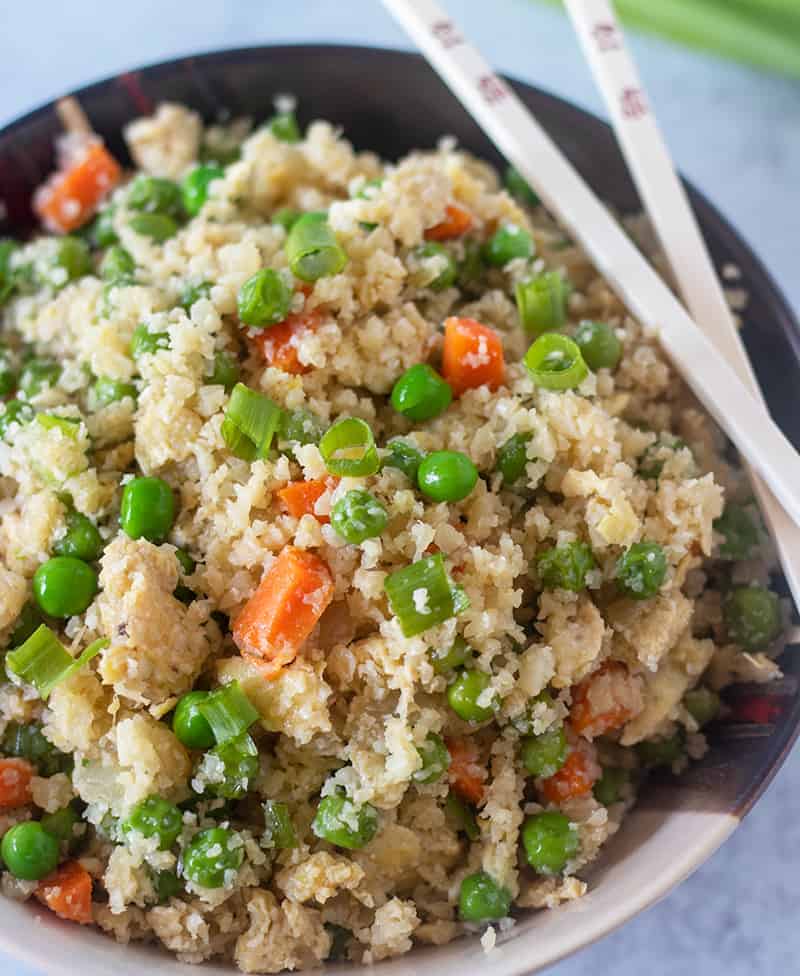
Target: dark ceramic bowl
x=392, y=102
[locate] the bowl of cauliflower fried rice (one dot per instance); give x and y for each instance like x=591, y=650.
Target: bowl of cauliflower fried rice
x=372, y=589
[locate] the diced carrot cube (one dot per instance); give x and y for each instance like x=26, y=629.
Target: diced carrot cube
x=606, y=700
x=472, y=355
x=300, y=497
x=575, y=778
x=292, y=596
x=466, y=773
x=457, y=221
x=279, y=343
x=15, y=783
x=68, y=892
x=72, y=194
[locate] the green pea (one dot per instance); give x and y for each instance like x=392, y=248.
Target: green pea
x=212, y=856
x=661, y=752
x=30, y=617
x=239, y=758
x=739, y=531
x=343, y=823
x=195, y=187
x=158, y=227
x=147, y=343
x=190, y=727
x=405, y=457
x=438, y=269
x=481, y=899
x=508, y=243
x=461, y=816
x=72, y=256
x=167, y=885
x=27, y=741
x=155, y=195
x=599, y=344
x=64, y=586
x=545, y=754
x=565, y=567
x=463, y=695
x=752, y=616
x=641, y=570
x=106, y=390
x=298, y=427
x=421, y=393
x=283, y=125
x=435, y=759
x=608, y=789
x=447, y=476
x=117, y=265
x=518, y=187
x=278, y=828
x=447, y=659
x=192, y=292
x=155, y=817
x=81, y=540
x=61, y=825
x=225, y=372
x=16, y=412
x=100, y=232
x=37, y=375
x=286, y=217
x=29, y=852
x=512, y=457
x=264, y=299
x=550, y=840
x=147, y=510
x=702, y=703
x=358, y=516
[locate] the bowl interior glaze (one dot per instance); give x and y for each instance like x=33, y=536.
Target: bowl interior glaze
x=392, y=102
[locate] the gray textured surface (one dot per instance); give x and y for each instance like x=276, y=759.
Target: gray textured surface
x=734, y=132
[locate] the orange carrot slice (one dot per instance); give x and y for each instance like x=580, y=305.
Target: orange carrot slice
x=279, y=343
x=300, y=497
x=277, y=619
x=457, y=222
x=600, y=702
x=73, y=193
x=15, y=783
x=68, y=892
x=472, y=355
x=466, y=773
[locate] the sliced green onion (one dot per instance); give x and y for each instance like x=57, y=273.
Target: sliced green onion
x=67, y=425
x=517, y=186
x=286, y=218
x=542, y=302
x=348, y=449
x=228, y=711
x=555, y=363
x=251, y=420
x=44, y=662
x=312, y=248
x=421, y=595
x=278, y=828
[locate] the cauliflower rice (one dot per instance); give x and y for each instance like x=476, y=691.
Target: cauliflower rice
x=395, y=782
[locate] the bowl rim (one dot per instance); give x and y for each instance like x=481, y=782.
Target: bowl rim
x=721, y=823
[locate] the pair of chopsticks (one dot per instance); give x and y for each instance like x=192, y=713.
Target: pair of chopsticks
x=711, y=359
